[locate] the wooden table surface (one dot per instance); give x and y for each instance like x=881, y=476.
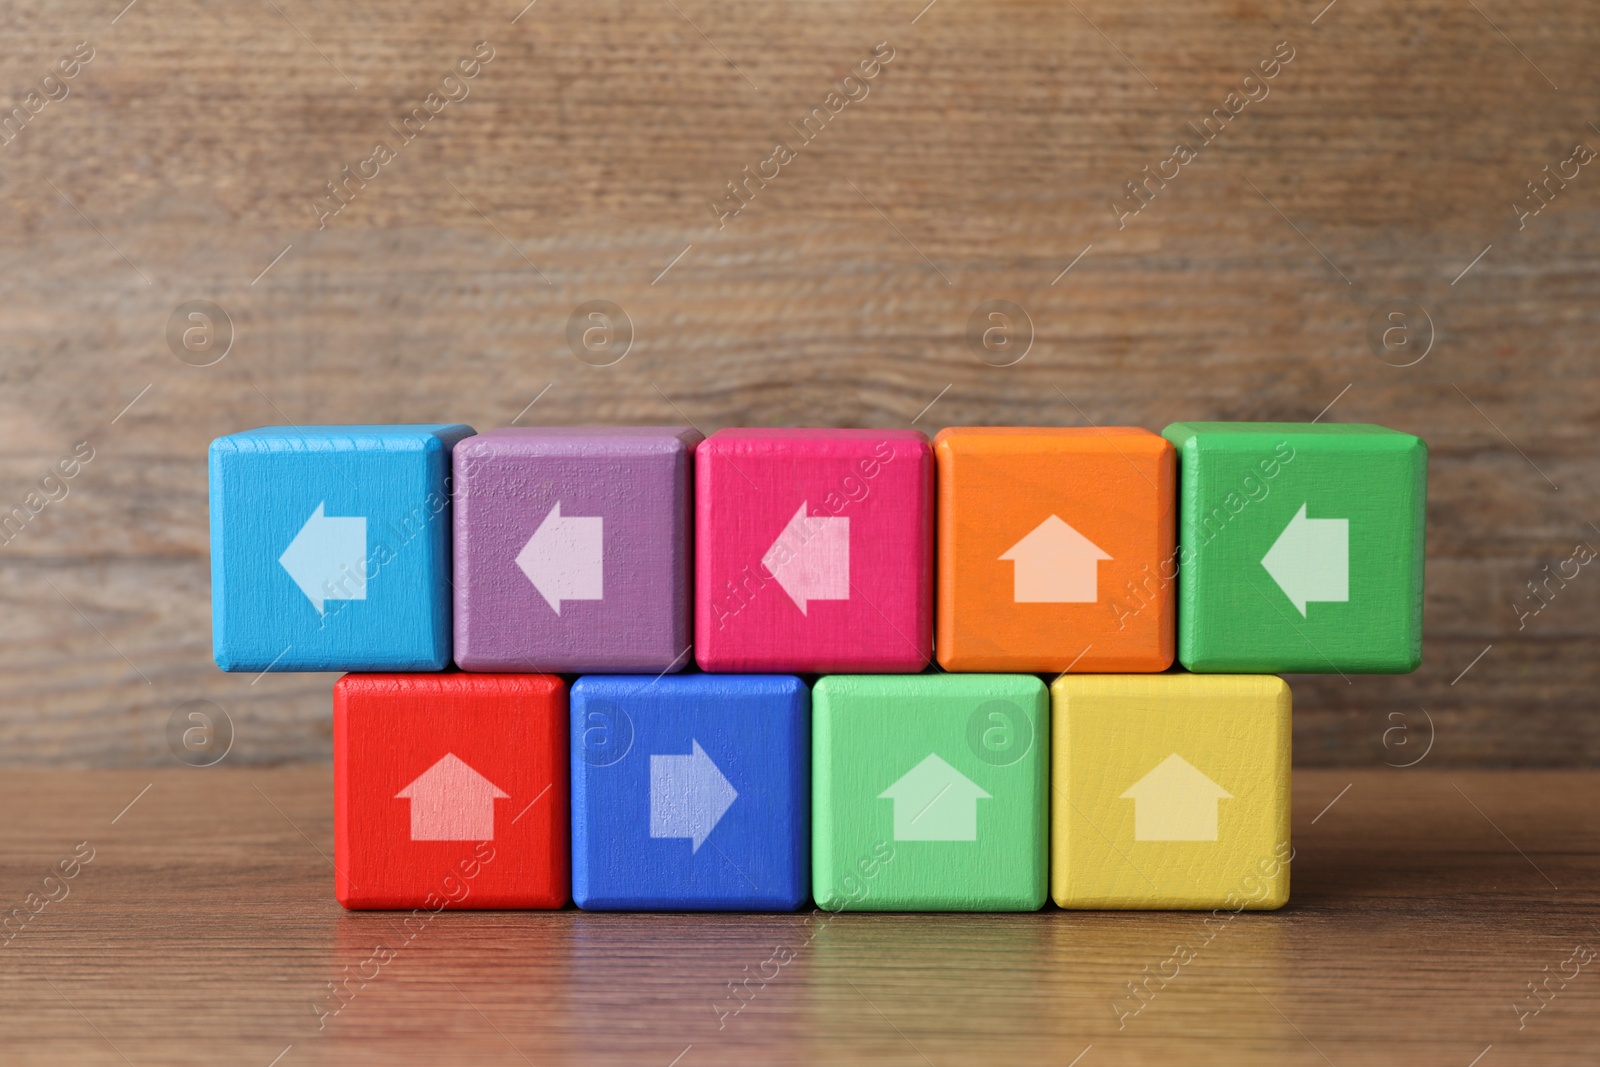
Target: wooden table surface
x=204, y=931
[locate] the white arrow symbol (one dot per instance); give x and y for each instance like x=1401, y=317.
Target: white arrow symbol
x=563, y=558
x=328, y=558
x=811, y=558
x=1175, y=802
x=451, y=801
x=688, y=796
x=1310, y=560
x=1055, y=564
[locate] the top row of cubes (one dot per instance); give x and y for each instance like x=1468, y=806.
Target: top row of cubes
x=1251, y=547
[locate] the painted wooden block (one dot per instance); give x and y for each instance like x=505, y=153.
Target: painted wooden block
x=330, y=548
x=690, y=793
x=450, y=791
x=1300, y=547
x=573, y=549
x=928, y=792
x=1055, y=549
x=814, y=550
x=1170, y=791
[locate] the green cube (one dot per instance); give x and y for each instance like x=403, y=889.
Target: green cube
x=928, y=792
x=1300, y=547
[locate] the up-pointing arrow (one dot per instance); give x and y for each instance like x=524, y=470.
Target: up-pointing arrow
x=688, y=796
x=451, y=801
x=1310, y=560
x=1055, y=564
x=328, y=558
x=563, y=559
x=811, y=558
x=1175, y=802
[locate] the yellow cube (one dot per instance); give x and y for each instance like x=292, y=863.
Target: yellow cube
x=1169, y=791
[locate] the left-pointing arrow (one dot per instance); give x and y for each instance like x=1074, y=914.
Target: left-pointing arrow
x=1310, y=561
x=564, y=559
x=811, y=558
x=328, y=558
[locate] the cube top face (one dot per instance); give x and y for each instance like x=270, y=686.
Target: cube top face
x=814, y=550
x=450, y=790
x=383, y=437
x=1055, y=549
x=928, y=792
x=627, y=442
x=1170, y=791
x=690, y=793
x=330, y=548
x=573, y=549
x=1300, y=547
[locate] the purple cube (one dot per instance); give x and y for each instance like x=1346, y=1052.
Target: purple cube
x=574, y=549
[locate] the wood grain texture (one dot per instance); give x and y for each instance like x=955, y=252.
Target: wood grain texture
x=593, y=145
x=814, y=551
x=204, y=931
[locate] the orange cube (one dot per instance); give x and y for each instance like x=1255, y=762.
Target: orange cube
x=1056, y=549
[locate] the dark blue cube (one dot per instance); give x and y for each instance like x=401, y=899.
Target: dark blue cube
x=691, y=792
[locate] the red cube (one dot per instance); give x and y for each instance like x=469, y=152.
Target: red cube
x=450, y=791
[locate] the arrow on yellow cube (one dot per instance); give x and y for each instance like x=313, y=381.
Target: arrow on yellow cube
x=1175, y=802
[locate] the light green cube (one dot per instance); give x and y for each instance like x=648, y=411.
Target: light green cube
x=1300, y=547
x=928, y=792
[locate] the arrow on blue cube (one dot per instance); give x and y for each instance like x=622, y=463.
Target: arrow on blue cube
x=688, y=796
x=328, y=558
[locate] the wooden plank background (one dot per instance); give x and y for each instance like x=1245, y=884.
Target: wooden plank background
x=1385, y=163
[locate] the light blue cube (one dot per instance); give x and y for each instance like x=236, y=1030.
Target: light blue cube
x=330, y=548
x=691, y=792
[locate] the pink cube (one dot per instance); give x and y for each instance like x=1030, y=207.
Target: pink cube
x=814, y=551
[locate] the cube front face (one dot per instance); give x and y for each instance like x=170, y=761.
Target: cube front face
x=330, y=548
x=450, y=790
x=1055, y=550
x=814, y=551
x=1170, y=791
x=1300, y=547
x=928, y=793
x=573, y=549
x=690, y=793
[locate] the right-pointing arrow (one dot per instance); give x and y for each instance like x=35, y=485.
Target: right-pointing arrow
x=688, y=796
x=1310, y=560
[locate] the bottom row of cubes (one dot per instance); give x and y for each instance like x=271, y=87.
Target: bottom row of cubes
x=931, y=792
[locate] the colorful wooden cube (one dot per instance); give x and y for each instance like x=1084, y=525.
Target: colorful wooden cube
x=814, y=550
x=450, y=791
x=330, y=548
x=1055, y=549
x=928, y=792
x=1300, y=547
x=1170, y=791
x=572, y=549
x=690, y=793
